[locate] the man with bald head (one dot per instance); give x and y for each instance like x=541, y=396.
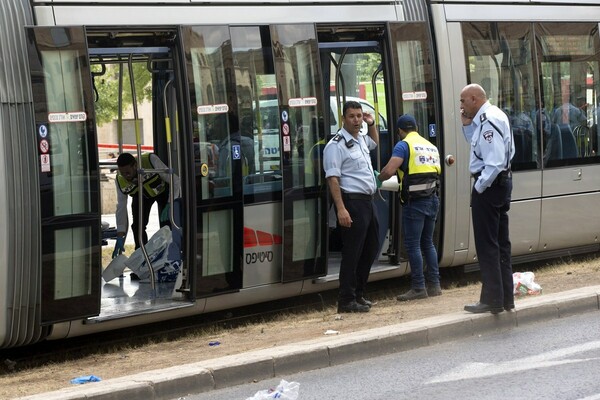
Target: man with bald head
x=488, y=131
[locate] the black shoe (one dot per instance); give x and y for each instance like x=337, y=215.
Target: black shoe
x=509, y=307
x=352, y=307
x=413, y=294
x=434, y=290
x=361, y=300
x=479, y=308
x=134, y=276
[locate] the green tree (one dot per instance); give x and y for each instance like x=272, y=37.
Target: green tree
x=107, y=89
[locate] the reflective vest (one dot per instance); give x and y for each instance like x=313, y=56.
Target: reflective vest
x=153, y=183
x=419, y=177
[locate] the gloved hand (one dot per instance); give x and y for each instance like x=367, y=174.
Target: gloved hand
x=119, y=246
x=379, y=183
x=164, y=215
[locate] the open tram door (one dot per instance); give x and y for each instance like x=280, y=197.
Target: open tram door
x=68, y=173
x=388, y=70
x=77, y=80
x=355, y=65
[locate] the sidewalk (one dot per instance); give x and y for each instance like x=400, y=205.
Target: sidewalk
x=326, y=351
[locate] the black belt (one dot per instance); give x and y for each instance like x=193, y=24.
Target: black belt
x=501, y=176
x=357, y=196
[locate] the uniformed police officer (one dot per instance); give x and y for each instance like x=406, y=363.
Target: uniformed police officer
x=351, y=181
x=488, y=130
x=417, y=163
x=155, y=186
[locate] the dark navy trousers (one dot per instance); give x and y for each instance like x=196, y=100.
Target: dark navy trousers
x=489, y=211
x=360, y=248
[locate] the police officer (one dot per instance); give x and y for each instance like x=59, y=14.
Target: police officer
x=351, y=181
x=417, y=162
x=488, y=131
x=155, y=188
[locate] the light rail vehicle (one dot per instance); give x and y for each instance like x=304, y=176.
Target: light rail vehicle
x=236, y=98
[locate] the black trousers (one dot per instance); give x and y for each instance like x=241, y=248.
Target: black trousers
x=162, y=200
x=360, y=248
x=489, y=211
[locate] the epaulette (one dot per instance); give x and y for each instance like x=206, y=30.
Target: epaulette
x=337, y=137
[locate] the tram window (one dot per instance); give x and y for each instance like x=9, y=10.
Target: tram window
x=211, y=95
x=71, y=182
x=258, y=110
x=499, y=57
x=569, y=55
x=414, y=74
x=295, y=55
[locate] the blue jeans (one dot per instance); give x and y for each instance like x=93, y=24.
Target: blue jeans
x=418, y=223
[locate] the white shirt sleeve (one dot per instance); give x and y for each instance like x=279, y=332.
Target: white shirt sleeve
x=121, y=213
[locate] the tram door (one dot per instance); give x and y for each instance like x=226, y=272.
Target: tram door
x=388, y=70
x=254, y=93
x=295, y=54
x=217, y=159
x=68, y=173
x=355, y=67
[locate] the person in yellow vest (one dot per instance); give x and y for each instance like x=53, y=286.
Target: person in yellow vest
x=155, y=189
x=417, y=163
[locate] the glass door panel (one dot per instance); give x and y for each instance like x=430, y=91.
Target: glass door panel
x=69, y=177
x=300, y=105
x=218, y=159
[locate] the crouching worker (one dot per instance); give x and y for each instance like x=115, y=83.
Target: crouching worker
x=417, y=162
x=156, y=188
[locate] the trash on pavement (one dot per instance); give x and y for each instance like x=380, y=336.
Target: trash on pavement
x=214, y=343
x=284, y=391
x=523, y=284
x=85, y=379
x=331, y=332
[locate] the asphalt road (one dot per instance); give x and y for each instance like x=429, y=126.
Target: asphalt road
x=557, y=359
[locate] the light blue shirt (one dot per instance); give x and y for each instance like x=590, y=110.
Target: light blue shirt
x=489, y=148
x=351, y=164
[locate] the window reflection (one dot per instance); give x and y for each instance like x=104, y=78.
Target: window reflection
x=500, y=59
x=258, y=111
x=68, y=140
x=554, y=118
x=569, y=69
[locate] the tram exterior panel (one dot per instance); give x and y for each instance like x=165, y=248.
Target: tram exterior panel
x=554, y=197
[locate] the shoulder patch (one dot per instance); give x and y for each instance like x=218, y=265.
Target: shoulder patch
x=488, y=136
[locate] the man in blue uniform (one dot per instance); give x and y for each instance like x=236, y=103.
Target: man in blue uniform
x=351, y=181
x=488, y=130
x=417, y=162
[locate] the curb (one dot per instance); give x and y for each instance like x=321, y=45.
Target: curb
x=323, y=352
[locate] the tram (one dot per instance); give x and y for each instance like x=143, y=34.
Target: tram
x=187, y=79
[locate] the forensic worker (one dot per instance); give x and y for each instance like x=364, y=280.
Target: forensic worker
x=417, y=162
x=155, y=189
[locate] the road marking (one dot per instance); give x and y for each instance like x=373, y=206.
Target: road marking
x=544, y=360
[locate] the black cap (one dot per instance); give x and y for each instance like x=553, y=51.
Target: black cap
x=406, y=122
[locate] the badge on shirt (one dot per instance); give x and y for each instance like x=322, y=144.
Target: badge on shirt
x=488, y=136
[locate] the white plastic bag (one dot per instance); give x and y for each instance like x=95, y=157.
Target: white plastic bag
x=523, y=284
x=156, y=249
x=285, y=391
x=115, y=268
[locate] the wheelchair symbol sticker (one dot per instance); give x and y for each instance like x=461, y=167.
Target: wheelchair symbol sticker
x=43, y=131
x=236, y=152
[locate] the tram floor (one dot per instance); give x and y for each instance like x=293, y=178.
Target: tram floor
x=286, y=327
